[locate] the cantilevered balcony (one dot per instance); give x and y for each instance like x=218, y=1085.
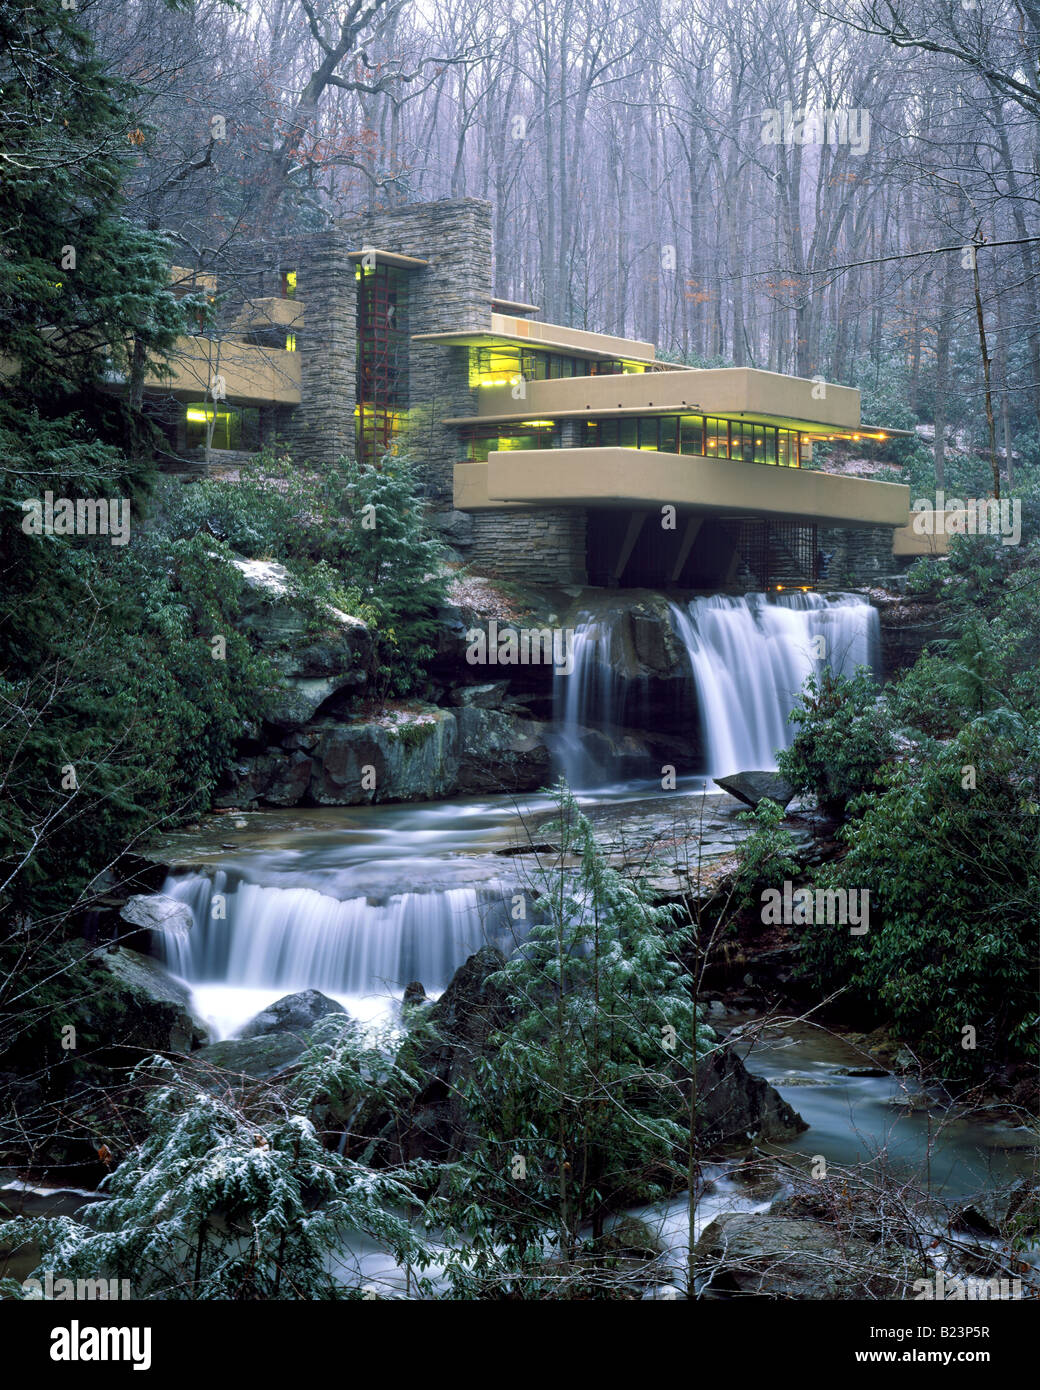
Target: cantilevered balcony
x=635, y=479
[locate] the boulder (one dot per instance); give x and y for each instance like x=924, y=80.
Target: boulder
x=754, y=787
x=734, y=1105
x=293, y=1013
x=158, y=912
x=994, y=1212
x=276, y=777
x=488, y=696
x=314, y=663
x=258, y=1057
x=413, y=755
x=454, y=527
x=442, y=1053
x=764, y=1256
x=127, y=1004
x=643, y=642
x=500, y=752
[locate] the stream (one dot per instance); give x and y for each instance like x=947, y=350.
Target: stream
x=361, y=901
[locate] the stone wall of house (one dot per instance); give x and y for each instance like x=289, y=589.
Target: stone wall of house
x=539, y=545
x=451, y=293
x=857, y=556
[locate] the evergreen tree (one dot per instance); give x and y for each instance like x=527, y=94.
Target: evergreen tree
x=582, y=1101
x=234, y=1195
x=396, y=566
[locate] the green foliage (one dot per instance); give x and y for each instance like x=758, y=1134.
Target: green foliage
x=109, y=676
x=68, y=145
x=764, y=858
x=396, y=567
x=844, y=737
x=582, y=1102
x=353, y=536
x=929, y=698
x=228, y=1200
x=953, y=871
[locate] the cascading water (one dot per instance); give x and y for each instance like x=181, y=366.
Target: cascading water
x=750, y=658
x=251, y=942
x=593, y=693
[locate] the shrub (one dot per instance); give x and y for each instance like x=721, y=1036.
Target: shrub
x=844, y=737
x=950, y=853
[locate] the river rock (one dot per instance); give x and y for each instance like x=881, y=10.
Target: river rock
x=488, y=696
x=734, y=1105
x=754, y=787
x=442, y=1053
x=993, y=1212
x=123, y=1005
x=500, y=752
x=314, y=664
x=158, y=912
x=412, y=756
x=293, y=1013
x=259, y=1057
x=764, y=1256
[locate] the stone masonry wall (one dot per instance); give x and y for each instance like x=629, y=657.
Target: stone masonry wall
x=540, y=545
x=453, y=292
x=858, y=556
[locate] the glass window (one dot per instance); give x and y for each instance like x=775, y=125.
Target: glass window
x=669, y=425
x=717, y=442
x=769, y=432
x=743, y=446
x=691, y=434
x=649, y=432
x=628, y=434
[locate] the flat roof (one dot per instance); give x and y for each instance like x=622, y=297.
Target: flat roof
x=485, y=337
x=388, y=258
x=813, y=427
x=513, y=306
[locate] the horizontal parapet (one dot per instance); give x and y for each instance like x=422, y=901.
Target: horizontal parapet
x=730, y=391
x=627, y=478
x=247, y=375
x=269, y=312
x=930, y=530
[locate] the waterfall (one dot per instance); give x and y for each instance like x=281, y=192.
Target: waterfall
x=592, y=694
x=750, y=658
x=256, y=941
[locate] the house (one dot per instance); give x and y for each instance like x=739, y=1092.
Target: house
x=551, y=452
